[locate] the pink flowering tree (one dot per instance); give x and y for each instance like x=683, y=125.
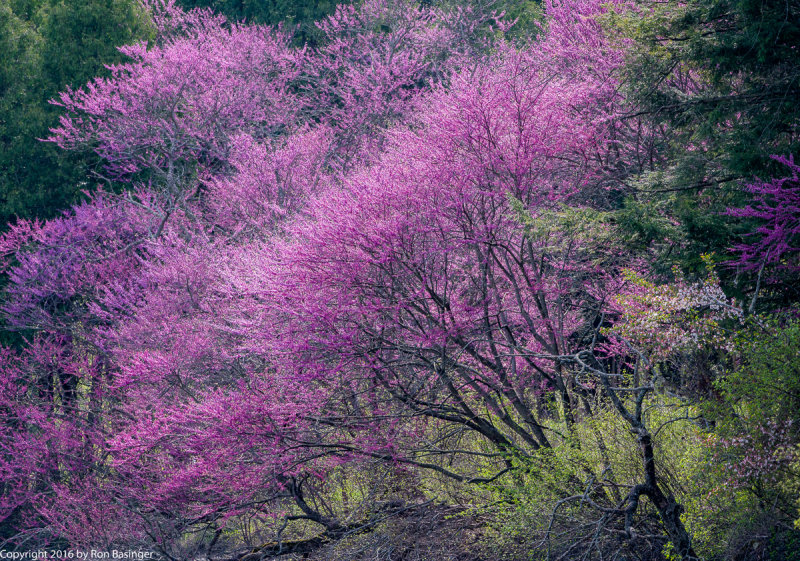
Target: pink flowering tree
x=772, y=248
x=207, y=125
x=57, y=388
x=308, y=306
x=401, y=271
x=167, y=118
x=377, y=58
x=663, y=320
x=437, y=285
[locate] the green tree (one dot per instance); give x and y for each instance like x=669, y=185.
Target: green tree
x=300, y=13
x=721, y=80
x=45, y=47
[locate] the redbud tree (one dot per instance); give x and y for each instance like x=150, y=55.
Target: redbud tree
x=385, y=251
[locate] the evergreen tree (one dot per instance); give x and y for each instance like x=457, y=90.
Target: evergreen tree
x=723, y=78
x=45, y=47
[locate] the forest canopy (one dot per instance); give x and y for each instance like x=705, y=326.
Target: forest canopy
x=401, y=280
